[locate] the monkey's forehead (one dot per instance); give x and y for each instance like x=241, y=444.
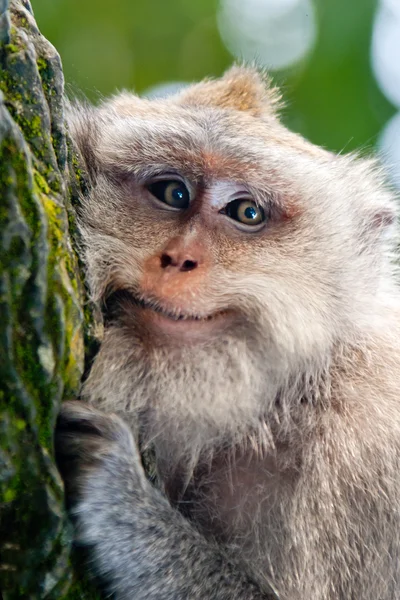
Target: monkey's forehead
x=202, y=143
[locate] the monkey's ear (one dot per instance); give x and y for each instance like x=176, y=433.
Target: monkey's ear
x=83, y=123
x=240, y=88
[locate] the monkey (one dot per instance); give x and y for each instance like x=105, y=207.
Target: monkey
x=248, y=284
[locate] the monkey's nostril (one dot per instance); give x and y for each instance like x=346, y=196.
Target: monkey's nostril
x=188, y=265
x=166, y=260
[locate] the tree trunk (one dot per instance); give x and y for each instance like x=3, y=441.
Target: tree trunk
x=43, y=327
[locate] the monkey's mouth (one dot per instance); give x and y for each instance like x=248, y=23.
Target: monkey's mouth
x=157, y=313
x=121, y=299
x=175, y=314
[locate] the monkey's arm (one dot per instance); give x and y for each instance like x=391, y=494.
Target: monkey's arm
x=139, y=545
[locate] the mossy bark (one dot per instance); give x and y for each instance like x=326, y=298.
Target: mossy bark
x=43, y=326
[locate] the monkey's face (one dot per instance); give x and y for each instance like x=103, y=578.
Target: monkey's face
x=202, y=222
x=210, y=227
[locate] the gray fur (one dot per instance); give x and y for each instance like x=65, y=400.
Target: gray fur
x=277, y=440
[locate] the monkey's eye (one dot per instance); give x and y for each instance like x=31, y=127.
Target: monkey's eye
x=245, y=211
x=173, y=193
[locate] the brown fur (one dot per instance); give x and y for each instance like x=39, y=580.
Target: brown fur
x=280, y=436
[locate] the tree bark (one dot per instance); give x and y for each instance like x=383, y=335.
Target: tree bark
x=44, y=328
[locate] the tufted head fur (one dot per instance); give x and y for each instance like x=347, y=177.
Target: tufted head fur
x=240, y=89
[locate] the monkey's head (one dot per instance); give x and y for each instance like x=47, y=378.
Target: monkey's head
x=228, y=253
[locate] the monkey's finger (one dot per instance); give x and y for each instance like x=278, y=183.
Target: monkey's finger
x=81, y=418
x=78, y=446
x=85, y=436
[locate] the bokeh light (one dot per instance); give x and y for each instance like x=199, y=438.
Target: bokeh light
x=389, y=145
x=394, y=5
x=386, y=49
x=277, y=33
x=385, y=57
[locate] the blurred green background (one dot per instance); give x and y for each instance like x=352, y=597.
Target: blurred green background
x=331, y=93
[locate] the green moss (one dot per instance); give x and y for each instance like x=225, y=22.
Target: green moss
x=54, y=213
x=9, y=495
x=12, y=48
x=6, y=86
x=33, y=127
x=41, y=63
x=41, y=183
x=20, y=424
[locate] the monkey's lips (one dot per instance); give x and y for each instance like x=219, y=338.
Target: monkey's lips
x=161, y=317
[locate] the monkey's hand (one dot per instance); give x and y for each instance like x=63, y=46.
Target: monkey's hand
x=139, y=545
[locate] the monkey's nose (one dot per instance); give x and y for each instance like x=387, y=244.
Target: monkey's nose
x=177, y=270
x=182, y=254
x=180, y=263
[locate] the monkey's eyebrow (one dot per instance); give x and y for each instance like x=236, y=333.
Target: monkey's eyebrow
x=142, y=173
x=265, y=197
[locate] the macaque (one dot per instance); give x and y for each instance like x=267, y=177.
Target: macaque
x=251, y=343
